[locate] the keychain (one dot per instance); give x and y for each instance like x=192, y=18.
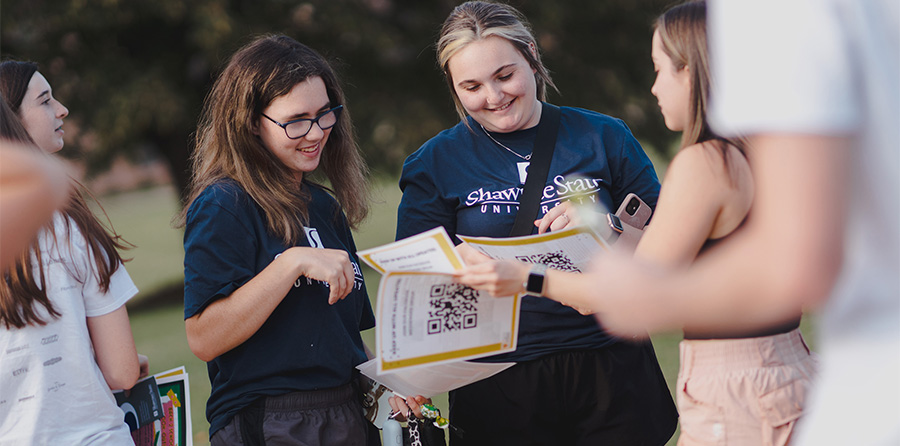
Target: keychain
x=430, y=412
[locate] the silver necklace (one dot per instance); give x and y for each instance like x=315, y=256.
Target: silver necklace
x=526, y=158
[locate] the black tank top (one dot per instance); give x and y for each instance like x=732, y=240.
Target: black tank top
x=784, y=327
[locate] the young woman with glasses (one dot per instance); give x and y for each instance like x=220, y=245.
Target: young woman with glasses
x=274, y=297
x=573, y=383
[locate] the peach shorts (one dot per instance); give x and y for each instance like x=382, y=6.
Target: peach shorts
x=743, y=391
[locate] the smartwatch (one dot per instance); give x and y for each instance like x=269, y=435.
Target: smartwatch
x=615, y=223
x=534, y=286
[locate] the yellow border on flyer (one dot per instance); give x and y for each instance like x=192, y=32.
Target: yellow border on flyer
x=480, y=351
x=438, y=357
x=439, y=236
x=532, y=239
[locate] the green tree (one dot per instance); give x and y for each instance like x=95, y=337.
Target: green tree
x=134, y=73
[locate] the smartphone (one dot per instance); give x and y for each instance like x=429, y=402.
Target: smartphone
x=621, y=236
x=634, y=211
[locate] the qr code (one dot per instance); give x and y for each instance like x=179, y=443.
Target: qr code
x=555, y=260
x=452, y=307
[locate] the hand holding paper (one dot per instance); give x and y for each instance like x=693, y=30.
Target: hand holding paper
x=470, y=255
x=425, y=316
x=567, y=252
x=429, y=324
x=570, y=249
x=430, y=317
x=497, y=277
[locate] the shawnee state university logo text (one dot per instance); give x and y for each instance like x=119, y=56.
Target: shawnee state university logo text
x=507, y=200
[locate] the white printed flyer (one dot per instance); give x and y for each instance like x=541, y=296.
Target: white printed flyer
x=429, y=318
x=567, y=250
x=425, y=317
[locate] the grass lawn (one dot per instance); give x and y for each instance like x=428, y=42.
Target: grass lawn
x=144, y=218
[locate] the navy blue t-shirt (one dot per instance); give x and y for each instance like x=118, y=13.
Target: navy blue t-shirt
x=464, y=181
x=305, y=344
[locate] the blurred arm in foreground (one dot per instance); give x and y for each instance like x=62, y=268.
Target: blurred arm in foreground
x=822, y=108
x=32, y=187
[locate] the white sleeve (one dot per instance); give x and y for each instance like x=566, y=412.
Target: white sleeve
x=96, y=302
x=781, y=66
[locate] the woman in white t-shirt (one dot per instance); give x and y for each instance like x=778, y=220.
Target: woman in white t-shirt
x=65, y=338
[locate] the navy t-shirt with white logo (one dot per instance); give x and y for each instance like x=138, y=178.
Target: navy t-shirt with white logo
x=469, y=184
x=305, y=344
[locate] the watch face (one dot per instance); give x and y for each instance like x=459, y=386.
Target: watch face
x=535, y=283
x=615, y=222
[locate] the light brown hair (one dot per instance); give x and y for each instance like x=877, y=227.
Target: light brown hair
x=682, y=30
x=225, y=147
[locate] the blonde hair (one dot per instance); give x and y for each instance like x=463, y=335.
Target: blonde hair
x=474, y=21
x=682, y=30
x=257, y=74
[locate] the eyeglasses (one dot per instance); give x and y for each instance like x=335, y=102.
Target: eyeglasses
x=298, y=128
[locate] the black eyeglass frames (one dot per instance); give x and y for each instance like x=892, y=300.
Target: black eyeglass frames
x=298, y=128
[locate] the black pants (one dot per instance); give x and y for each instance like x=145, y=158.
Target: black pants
x=317, y=417
x=611, y=396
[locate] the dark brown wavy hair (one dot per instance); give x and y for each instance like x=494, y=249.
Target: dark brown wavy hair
x=21, y=290
x=225, y=147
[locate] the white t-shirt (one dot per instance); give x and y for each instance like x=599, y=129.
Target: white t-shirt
x=832, y=67
x=51, y=388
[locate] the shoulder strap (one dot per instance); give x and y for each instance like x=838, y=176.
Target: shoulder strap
x=538, y=168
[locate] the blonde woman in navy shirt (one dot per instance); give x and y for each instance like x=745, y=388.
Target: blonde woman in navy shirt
x=573, y=383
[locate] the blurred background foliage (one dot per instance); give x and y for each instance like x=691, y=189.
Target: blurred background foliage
x=134, y=72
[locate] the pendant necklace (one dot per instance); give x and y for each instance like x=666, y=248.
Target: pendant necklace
x=526, y=158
